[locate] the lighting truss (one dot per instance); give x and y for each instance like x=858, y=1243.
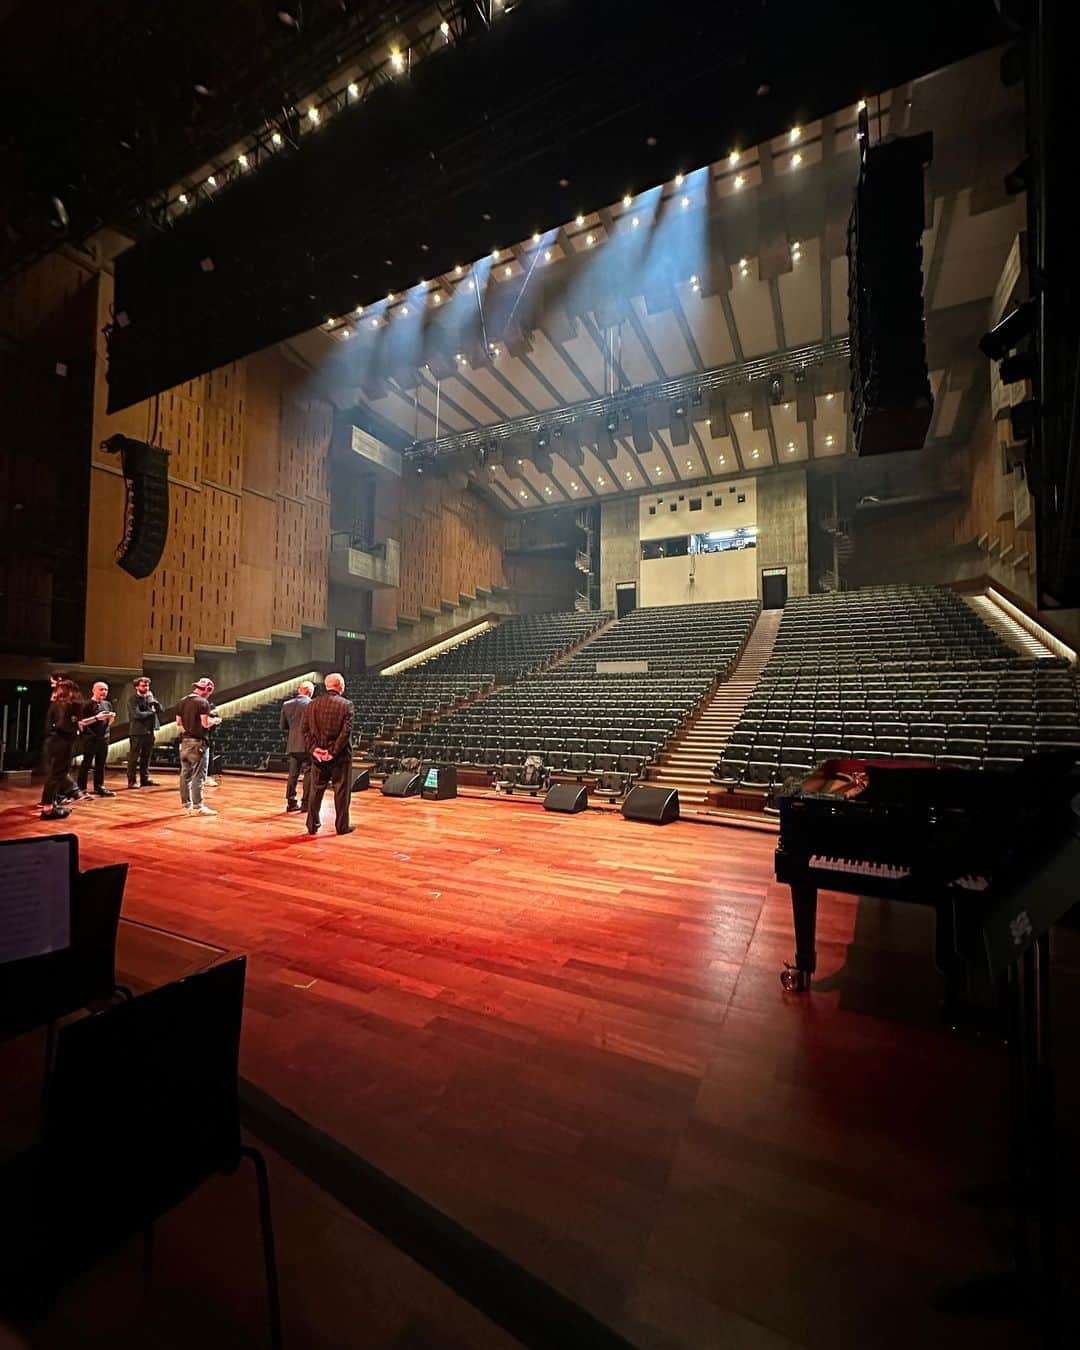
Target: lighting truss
x=795, y=361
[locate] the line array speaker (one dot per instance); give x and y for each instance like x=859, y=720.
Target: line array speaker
x=891, y=400
x=146, y=512
x=657, y=804
x=404, y=783
x=567, y=797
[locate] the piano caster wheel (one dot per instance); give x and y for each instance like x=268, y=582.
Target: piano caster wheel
x=794, y=980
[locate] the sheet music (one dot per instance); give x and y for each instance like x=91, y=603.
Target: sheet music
x=35, y=899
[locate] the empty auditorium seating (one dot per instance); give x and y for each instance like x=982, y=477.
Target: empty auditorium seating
x=581, y=723
x=518, y=645
x=904, y=672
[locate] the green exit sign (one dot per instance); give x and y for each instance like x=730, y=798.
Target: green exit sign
x=22, y=688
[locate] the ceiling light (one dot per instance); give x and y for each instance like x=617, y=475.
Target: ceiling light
x=579, y=220
x=796, y=160
x=689, y=463
x=739, y=180
x=721, y=459
x=507, y=270
x=627, y=199
x=524, y=494
x=329, y=323
x=444, y=28
x=313, y=116
x=679, y=180
x=733, y=158
x=573, y=487
x=629, y=475
x=346, y=332
x=374, y=323
x=276, y=137
x=438, y=298
x=787, y=407
x=635, y=222
x=494, y=255
x=458, y=270
x=182, y=199
x=754, y=454
x=685, y=203
x=829, y=398
x=693, y=281
x=461, y=356
x=396, y=59
x=536, y=236
x=548, y=491
x=404, y=311
x=796, y=246
x=390, y=297
x=590, y=239
x=354, y=90
x=659, y=469
x=744, y=263
x=828, y=440
x=242, y=160
x=791, y=445
x=745, y=416
x=600, y=482
x=860, y=106
x=359, y=310
x=212, y=181
x=794, y=134
x=547, y=255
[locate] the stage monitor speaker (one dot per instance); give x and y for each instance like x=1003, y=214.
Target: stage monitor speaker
x=404, y=783
x=657, y=804
x=362, y=781
x=146, y=512
x=891, y=399
x=567, y=797
x=438, y=782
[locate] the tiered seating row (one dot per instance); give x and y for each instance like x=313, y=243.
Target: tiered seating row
x=518, y=645
x=674, y=638
x=861, y=681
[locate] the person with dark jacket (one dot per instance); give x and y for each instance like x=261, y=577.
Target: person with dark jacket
x=327, y=730
x=292, y=722
x=62, y=725
x=96, y=723
x=143, y=713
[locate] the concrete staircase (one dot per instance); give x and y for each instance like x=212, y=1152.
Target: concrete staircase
x=688, y=761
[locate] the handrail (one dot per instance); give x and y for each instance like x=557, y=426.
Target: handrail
x=521, y=1303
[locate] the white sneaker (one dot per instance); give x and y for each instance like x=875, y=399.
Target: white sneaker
x=186, y=807
x=210, y=782
x=203, y=811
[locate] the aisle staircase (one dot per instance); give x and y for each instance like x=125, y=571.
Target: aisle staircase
x=687, y=763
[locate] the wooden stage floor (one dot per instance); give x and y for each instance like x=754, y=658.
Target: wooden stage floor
x=568, y=1032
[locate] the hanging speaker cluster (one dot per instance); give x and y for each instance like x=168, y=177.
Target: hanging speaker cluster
x=891, y=400
x=146, y=512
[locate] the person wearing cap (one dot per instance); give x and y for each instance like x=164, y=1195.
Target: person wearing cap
x=195, y=718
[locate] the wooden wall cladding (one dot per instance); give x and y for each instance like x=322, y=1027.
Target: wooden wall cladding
x=451, y=544
x=249, y=532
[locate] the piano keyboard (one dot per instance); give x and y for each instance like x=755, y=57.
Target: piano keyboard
x=860, y=867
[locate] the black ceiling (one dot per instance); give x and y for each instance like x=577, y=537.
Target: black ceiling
x=465, y=153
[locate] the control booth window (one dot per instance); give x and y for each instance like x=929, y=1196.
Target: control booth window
x=719, y=541
x=677, y=547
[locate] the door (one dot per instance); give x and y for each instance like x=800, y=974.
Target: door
x=349, y=653
x=625, y=598
x=773, y=587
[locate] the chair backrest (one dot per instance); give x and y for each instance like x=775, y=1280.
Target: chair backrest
x=141, y=1107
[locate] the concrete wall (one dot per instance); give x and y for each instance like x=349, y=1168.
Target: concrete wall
x=783, y=539
x=620, y=546
x=704, y=577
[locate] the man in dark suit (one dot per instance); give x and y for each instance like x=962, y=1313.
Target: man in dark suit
x=327, y=728
x=96, y=724
x=143, y=713
x=292, y=722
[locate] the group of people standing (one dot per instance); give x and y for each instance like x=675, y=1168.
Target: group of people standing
x=318, y=746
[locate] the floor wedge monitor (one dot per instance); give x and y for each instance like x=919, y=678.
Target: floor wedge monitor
x=362, y=781
x=567, y=797
x=658, y=804
x=404, y=783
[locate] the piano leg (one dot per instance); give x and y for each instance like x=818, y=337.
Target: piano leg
x=796, y=978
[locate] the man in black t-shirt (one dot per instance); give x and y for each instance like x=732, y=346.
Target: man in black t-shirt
x=96, y=724
x=195, y=718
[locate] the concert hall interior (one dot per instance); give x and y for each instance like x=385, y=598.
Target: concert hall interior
x=626, y=458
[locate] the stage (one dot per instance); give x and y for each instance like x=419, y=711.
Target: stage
x=568, y=1033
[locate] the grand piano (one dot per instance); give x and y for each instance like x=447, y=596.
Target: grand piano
x=960, y=840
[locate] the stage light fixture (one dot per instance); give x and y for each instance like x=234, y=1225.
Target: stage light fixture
x=354, y=90
x=590, y=239
x=829, y=440
x=639, y=423
x=547, y=255
x=458, y=270
x=396, y=59
x=444, y=29
x=211, y=181
x=739, y=180
x=776, y=391
x=685, y=203
x=635, y=223
x=579, y=220
x=611, y=423
x=679, y=180
x=548, y=491
x=275, y=137
x=626, y=199
x=796, y=160
x=542, y=438
x=404, y=311
x=754, y=454
x=313, y=116
x=494, y=255
x=794, y=134
x=438, y=298
x=536, y=236
x=346, y=332
x=182, y=199
x=242, y=160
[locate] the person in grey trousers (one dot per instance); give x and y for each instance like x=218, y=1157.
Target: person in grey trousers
x=196, y=719
x=292, y=722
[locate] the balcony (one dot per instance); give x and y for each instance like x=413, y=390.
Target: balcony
x=364, y=566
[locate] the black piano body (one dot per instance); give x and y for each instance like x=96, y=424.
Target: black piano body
x=955, y=839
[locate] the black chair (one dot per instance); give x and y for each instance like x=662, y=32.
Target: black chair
x=141, y=1107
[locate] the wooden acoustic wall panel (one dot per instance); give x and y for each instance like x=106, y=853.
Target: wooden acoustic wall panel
x=255, y=591
x=316, y=562
x=451, y=544
x=288, y=565
x=116, y=604
x=261, y=429
x=35, y=295
x=171, y=618
x=215, y=617
x=181, y=430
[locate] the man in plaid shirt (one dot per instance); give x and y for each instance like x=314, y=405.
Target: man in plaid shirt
x=327, y=731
